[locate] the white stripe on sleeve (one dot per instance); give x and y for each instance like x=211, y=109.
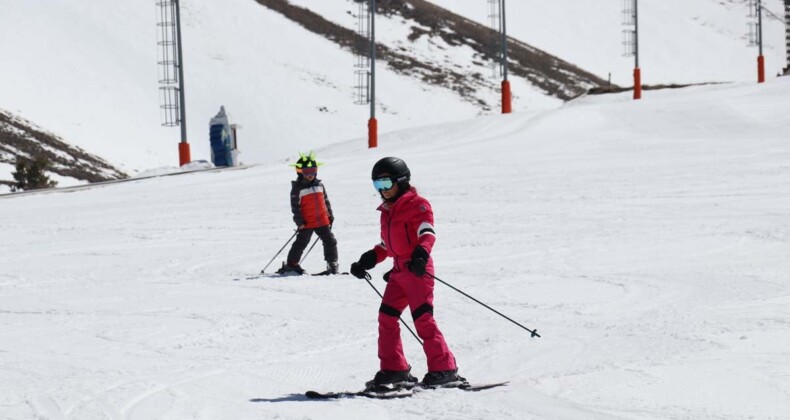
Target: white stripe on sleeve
x=425, y=229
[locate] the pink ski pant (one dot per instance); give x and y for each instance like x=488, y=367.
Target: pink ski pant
x=406, y=289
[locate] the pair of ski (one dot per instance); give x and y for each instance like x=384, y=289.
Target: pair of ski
x=292, y=274
x=295, y=274
x=399, y=392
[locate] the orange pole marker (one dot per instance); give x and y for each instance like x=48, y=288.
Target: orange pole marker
x=183, y=153
x=373, y=133
x=637, y=83
x=506, y=97
x=760, y=69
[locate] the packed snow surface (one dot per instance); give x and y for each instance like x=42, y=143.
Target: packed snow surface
x=646, y=241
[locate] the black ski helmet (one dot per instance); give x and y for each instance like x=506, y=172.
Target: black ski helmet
x=394, y=167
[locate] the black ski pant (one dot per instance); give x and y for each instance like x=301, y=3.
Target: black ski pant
x=303, y=239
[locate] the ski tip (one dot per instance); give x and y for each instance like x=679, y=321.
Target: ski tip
x=323, y=273
x=314, y=395
x=481, y=387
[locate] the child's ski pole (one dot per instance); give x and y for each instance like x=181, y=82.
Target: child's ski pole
x=281, y=250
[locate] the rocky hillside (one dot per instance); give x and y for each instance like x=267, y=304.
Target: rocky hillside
x=453, y=42
x=551, y=74
x=22, y=138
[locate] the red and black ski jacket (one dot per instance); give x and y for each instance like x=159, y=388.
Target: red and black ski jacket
x=310, y=204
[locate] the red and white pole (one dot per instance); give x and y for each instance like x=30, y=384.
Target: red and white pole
x=637, y=83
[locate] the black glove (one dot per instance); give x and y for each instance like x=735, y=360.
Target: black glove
x=418, y=261
x=386, y=276
x=357, y=271
x=366, y=262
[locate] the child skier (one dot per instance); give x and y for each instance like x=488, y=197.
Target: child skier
x=407, y=236
x=311, y=213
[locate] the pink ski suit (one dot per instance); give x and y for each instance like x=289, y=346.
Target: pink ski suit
x=406, y=223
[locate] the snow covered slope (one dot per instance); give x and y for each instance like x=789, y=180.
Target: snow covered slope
x=647, y=242
x=87, y=71
x=681, y=41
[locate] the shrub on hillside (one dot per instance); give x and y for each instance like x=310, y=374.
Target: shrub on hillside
x=31, y=175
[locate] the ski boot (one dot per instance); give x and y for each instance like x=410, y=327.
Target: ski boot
x=290, y=269
x=331, y=268
x=443, y=379
x=389, y=380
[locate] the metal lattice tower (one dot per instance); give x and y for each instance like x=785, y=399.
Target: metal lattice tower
x=753, y=34
x=628, y=13
x=167, y=61
x=365, y=64
x=171, y=72
x=787, y=32
x=752, y=11
x=629, y=43
x=629, y=34
x=630, y=16
x=362, y=55
x=498, y=50
x=495, y=49
x=753, y=27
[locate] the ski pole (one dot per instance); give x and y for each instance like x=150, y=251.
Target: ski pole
x=534, y=332
x=367, y=279
x=281, y=250
x=311, y=247
x=308, y=251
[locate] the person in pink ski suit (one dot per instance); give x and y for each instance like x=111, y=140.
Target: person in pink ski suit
x=407, y=235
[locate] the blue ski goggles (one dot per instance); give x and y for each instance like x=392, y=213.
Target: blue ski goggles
x=382, y=184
